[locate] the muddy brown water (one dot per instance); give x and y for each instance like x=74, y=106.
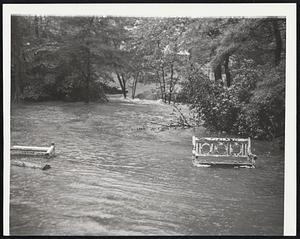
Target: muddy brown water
x=115, y=175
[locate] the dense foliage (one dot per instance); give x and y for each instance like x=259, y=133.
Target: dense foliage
x=231, y=71
x=246, y=93
x=250, y=110
x=63, y=58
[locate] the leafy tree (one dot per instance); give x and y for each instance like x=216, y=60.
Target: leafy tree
x=250, y=53
x=63, y=57
x=162, y=50
x=202, y=40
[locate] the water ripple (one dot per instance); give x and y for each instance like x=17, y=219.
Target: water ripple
x=112, y=178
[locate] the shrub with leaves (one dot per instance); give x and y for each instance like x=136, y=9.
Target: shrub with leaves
x=252, y=107
x=216, y=105
x=264, y=115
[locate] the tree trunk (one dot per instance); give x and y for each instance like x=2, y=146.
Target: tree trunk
x=218, y=74
x=89, y=69
x=18, y=77
x=278, y=41
x=120, y=81
x=164, y=85
x=170, y=96
x=16, y=38
x=122, y=84
x=171, y=84
x=36, y=26
x=133, y=88
x=88, y=79
x=227, y=72
x=160, y=85
x=17, y=85
x=135, y=80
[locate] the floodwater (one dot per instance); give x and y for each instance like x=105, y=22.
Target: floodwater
x=116, y=174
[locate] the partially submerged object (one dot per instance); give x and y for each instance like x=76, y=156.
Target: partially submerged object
x=31, y=151
x=30, y=165
x=233, y=152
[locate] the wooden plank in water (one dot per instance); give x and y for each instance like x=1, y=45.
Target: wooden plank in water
x=30, y=165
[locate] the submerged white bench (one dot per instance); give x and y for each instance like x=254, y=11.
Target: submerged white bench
x=222, y=152
x=47, y=152
x=31, y=150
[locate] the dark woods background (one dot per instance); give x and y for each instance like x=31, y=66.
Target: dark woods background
x=231, y=71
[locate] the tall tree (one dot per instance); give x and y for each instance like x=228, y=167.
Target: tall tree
x=162, y=50
x=17, y=59
x=278, y=41
x=67, y=56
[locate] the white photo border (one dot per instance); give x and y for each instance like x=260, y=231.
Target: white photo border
x=287, y=10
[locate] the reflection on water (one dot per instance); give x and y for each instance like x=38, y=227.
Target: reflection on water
x=111, y=178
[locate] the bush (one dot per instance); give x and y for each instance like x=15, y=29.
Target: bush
x=219, y=107
x=264, y=115
x=250, y=108
x=68, y=88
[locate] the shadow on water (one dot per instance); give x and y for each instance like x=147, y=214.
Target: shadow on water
x=109, y=178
